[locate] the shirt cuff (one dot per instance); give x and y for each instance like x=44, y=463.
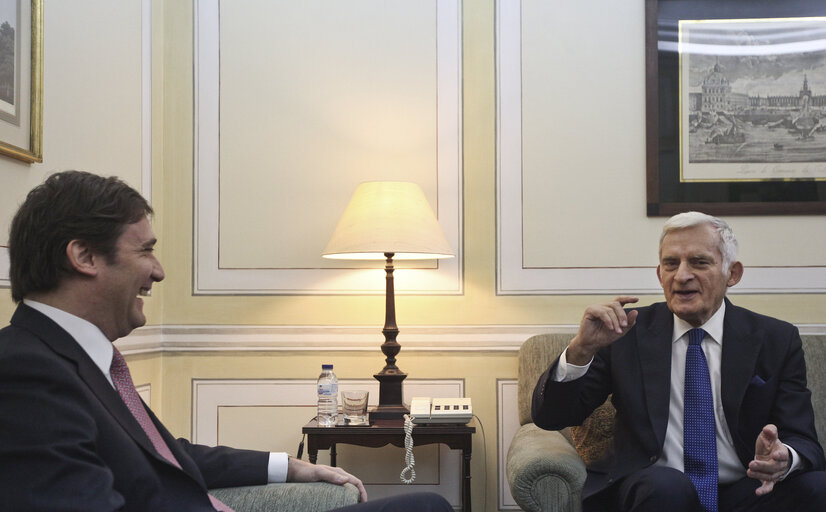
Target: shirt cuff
x=277, y=468
x=565, y=372
x=797, y=462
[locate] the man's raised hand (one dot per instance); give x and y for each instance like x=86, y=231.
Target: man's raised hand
x=601, y=325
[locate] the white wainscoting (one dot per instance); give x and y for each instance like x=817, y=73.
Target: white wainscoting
x=235, y=338
x=446, y=338
x=268, y=414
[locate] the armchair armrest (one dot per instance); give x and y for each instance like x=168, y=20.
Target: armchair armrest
x=545, y=472
x=288, y=497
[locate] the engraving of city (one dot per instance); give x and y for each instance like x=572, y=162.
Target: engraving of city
x=753, y=99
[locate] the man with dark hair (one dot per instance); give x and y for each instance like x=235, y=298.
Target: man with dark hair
x=74, y=434
x=712, y=409
x=69, y=205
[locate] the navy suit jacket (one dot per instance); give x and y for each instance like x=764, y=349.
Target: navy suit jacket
x=763, y=380
x=68, y=442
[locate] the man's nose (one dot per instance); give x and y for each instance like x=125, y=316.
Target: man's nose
x=157, y=272
x=684, y=272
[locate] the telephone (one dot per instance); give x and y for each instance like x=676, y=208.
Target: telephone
x=430, y=410
x=440, y=410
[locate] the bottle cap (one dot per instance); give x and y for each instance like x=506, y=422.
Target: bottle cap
x=326, y=367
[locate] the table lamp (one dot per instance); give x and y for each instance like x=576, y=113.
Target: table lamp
x=387, y=220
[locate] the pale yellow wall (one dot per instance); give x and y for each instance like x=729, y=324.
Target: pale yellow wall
x=479, y=305
x=170, y=374
x=172, y=184
x=92, y=104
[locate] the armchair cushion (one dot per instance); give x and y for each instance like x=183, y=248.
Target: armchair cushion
x=594, y=439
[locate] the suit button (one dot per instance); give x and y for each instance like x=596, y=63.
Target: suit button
x=653, y=458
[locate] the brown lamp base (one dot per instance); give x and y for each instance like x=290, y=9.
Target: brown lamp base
x=390, y=396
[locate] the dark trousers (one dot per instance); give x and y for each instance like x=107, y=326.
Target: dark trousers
x=415, y=502
x=658, y=489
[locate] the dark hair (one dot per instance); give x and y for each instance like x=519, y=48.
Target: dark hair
x=70, y=205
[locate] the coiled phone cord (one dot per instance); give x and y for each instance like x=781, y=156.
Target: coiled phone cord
x=408, y=452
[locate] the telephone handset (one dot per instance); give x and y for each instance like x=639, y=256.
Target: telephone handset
x=430, y=410
x=440, y=410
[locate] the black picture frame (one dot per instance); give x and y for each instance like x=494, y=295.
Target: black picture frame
x=666, y=193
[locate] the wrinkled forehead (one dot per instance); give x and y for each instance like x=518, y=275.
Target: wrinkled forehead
x=700, y=239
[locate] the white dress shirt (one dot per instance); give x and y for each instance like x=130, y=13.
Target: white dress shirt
x=729, y=467
x=98, y=347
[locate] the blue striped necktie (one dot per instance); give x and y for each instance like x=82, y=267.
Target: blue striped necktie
x=699, y=439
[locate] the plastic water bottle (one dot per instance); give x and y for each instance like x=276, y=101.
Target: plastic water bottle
x=327, y=397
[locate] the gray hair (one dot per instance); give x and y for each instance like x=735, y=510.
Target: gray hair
x=727, y=243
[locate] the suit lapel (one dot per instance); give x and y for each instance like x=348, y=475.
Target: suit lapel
x=737, y=365
x=63, y=344
x=654, y=348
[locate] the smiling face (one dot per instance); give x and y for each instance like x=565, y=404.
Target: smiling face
x=126, y=277
x=692, y=275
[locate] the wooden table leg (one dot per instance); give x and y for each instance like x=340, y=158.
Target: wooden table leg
x=466, y=480
x=312, y=449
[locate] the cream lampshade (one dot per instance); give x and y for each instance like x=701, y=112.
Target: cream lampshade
x=388, y=220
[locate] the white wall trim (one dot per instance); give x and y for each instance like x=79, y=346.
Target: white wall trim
x=513, y=277
x=442, y=338
x=4, y=267
x=457, y=338
x=146, y=99
x=209, y=278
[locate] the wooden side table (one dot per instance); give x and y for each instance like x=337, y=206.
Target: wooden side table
x=384, y=432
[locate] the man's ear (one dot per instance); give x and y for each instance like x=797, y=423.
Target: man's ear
x=81, y=258
x=659, y=276
x=735, y=273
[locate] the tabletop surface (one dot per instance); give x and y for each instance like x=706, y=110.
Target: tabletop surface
x=389, y=427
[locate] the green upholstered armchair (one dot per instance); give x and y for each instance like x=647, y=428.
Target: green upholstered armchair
x=545, y=470
x=288, y=497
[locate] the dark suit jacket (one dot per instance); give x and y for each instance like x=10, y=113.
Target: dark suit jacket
x=763, y=381
x=68, y=442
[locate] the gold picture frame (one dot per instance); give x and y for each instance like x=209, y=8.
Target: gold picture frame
x=23, y=139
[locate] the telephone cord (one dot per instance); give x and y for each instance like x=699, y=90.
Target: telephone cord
x=408, y=452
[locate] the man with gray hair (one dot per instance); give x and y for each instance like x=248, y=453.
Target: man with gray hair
x=712, y=409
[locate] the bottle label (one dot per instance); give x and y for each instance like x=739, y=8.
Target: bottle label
x=328, y=389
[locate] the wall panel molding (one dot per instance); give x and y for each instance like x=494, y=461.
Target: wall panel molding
x=442, y=338
x=210, y=277
x=221, y=338
x=507, y=416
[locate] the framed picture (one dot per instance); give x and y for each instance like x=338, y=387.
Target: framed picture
x=21, y=79
x=735, y=107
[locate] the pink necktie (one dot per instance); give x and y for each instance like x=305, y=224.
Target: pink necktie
x=123, y=383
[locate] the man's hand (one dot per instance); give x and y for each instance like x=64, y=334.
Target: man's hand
x=771, y=460
x=302, y=471
x=601, y=325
